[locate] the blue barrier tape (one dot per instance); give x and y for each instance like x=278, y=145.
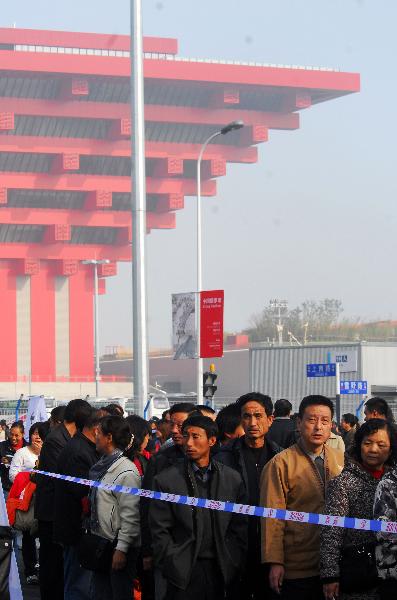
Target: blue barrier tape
x=243, y=509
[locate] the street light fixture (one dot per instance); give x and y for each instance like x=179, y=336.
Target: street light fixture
x=95, y=264
x=233, y=126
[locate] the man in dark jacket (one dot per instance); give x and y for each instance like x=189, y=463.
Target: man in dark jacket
x=248, y=455
x=160, y=461
x=199, y=551
x=282, y=430
x=76, y=459
x=51, y=556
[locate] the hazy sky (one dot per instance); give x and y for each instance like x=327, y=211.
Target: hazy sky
x=316, y=216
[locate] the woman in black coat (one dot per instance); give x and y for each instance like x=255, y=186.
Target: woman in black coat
x=352, y=494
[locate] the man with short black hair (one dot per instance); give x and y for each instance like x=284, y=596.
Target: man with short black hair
x=248, y=455
x=198, y=551
x=282, y=430
x=51, y=557
x=228, y=420
x=76, y=459
x=207, y=411
x=296, y=480
x=349, y=425
x=377, y=408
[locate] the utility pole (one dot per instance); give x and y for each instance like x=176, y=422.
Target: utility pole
x=138, y=209
x=279, y=307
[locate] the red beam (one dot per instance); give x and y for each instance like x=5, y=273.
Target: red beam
x=62, y=218
x=176, y=70
x=169, y=202
x=225, y=97
x=98, y=200
x=89, y=183
x=168, y=167
x=43, y=145
x=153, y=113
x=65, y=163
x=65, y=251
x=96, y=41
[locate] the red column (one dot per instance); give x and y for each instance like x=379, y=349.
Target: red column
x=8, y=323
x=42, y=310
x=81, y=320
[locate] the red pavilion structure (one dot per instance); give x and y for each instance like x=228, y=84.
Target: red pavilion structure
x=65, y=169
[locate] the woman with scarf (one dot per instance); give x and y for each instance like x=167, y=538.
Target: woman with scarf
x=115, y=516
x=347, y=556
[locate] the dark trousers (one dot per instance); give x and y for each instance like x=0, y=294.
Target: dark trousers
x=308, y=588
x=388, y=589
x=117, y=585
x=206, y=583
x=254, y=584
x=51, y=564
x=29, y=553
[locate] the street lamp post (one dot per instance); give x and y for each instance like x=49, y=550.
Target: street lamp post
x=233, y=126
x=95, y=264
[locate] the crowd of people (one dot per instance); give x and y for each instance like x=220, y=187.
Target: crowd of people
x=99, y=544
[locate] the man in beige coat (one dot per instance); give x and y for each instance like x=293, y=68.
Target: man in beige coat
x=296, y=479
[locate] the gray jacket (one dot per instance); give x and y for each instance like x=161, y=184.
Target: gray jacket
x=118, y=513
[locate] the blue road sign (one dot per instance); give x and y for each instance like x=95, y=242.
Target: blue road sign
x=353, y=387
x=324, y=370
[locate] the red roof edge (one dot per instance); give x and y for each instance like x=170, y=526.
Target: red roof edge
x=95, y=41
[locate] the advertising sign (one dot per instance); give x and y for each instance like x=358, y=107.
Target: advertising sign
x=184, y=325
x=211, y=323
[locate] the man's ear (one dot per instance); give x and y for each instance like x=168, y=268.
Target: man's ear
x=298, y=423
x=270, y=419
x=212, y=441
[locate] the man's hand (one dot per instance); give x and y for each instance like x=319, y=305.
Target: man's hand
x=331, y=590
x=147, y=563
x=5, y=460
x=119, y=560
x=276, y=578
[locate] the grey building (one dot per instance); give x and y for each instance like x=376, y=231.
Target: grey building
x=280, y=371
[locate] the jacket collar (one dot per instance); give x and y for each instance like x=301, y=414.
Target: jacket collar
x=271, y=447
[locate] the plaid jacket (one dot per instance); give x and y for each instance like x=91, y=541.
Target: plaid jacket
x=385, y=509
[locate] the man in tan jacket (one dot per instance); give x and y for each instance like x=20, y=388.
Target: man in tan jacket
x=296, y=479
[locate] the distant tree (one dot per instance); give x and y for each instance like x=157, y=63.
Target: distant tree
x=319, y=316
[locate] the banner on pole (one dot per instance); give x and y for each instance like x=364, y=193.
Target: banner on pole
x=184, y=325
x=211, y=323
x=36, y=412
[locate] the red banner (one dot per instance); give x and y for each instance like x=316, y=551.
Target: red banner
x=211, y=323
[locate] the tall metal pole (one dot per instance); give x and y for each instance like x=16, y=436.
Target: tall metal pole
x=233, y=126
x=138, y=207
x=199, y=376
x=96, y=329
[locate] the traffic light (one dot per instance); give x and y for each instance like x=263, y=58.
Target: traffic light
x=209, y=387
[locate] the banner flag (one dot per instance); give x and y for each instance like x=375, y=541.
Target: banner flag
x=36, y=412
x=184, y=325
x=211, y=323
